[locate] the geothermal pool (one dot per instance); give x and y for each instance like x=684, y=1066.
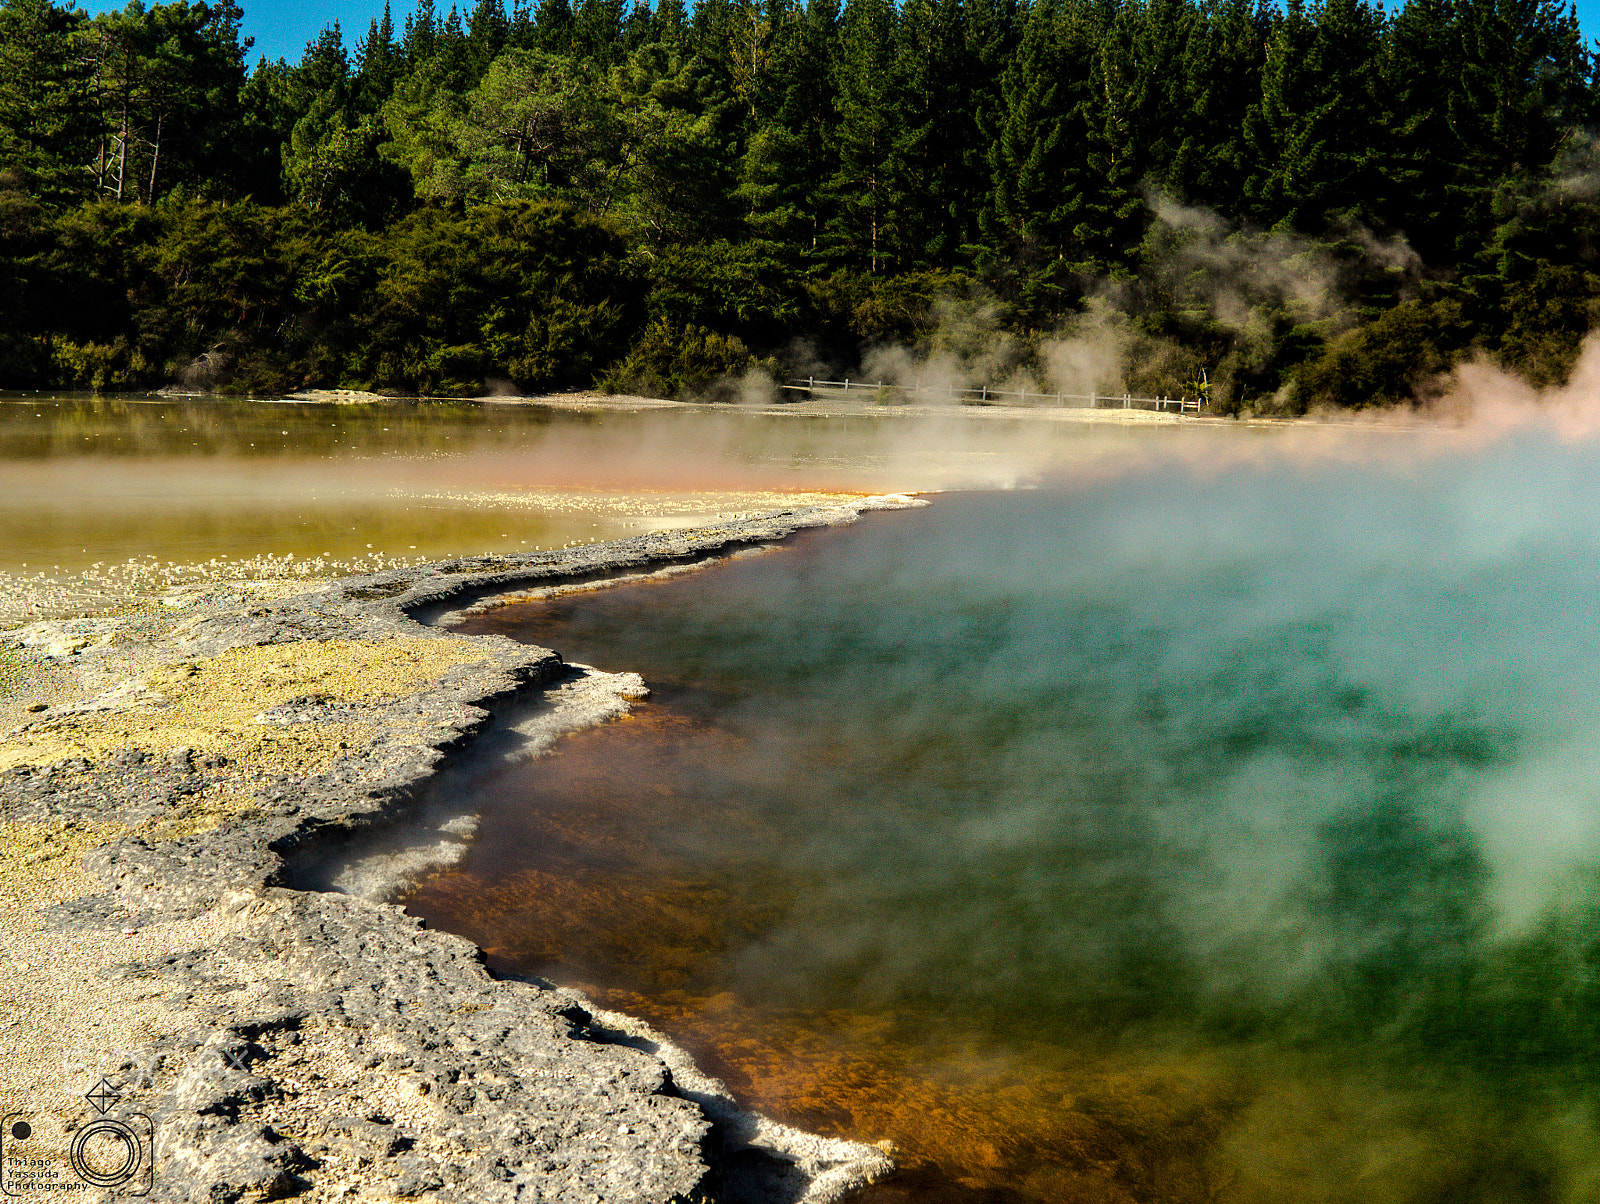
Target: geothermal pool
x=1210, y=827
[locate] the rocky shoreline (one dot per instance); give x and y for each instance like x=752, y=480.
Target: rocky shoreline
x=300, y=1043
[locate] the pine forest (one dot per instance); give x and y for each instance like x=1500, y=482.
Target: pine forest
x=1284, y=207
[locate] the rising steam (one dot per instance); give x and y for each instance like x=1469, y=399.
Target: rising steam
x=1244, y=284
x=1241, y=734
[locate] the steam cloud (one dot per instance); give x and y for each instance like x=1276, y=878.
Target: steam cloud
x=1234, y=737
x=1276, y=747
x=1242, y=281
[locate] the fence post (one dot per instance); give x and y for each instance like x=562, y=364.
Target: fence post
x=847, y=384
x=985, y=393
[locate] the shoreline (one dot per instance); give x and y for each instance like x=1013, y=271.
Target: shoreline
x=289, y=1041
x=829, y=407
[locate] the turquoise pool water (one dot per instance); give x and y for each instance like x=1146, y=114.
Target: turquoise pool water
x=1194, y=833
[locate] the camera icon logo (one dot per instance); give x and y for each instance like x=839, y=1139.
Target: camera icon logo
x=113, y=1151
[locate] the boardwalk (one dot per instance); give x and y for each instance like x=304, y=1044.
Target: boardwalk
x=983, y=395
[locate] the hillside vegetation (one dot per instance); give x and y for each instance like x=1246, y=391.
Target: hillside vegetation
x=1296, y=205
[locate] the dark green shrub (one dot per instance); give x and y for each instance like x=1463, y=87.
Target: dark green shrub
x=681, y=361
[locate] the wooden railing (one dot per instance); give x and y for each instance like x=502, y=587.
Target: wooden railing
x=983, y=395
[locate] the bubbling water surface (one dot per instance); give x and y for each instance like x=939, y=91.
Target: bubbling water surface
x=1188, y=835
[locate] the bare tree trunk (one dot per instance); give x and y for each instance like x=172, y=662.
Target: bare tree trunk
x=129, y=72
x=125, y=134
x=873, y=260
x=155, y=157
x=94, y=59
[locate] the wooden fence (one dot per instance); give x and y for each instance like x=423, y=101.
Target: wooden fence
x=984, y=395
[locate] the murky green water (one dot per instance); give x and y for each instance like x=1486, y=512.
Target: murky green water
x=1195, y=834
x=94, y=480
x=111, y=495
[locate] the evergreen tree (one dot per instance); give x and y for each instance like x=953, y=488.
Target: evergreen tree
x=678, y=151
x=1148, y=117
x=873, y=151
x=752, y=30
x=1221, y=71
x=597, y=31
x=1028, y=159
x=934, y=126
x=1519, y=87
x=1421, y=156
x=488, y=30
x=637, y=26
x=669, y=24
x=552, y=26
x=860, y=192
x=378, y=64
x=1316, y=130
x=166, y=83
x=1046, y=195
x=45, y=135
x=324, y=67
x=792, y=152
x=453, y=54
x=420, y=121
x=991, y=41
x=520, y=33
x=529, y=129
x=422, y=31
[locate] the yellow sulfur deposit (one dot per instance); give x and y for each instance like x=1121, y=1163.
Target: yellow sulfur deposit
x=212, y=705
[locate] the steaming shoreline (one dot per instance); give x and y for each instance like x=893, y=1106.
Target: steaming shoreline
x=827, y=407
x=291, y=1040
x=841, y=407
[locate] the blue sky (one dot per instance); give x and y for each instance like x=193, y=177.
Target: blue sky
x=283, y=27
